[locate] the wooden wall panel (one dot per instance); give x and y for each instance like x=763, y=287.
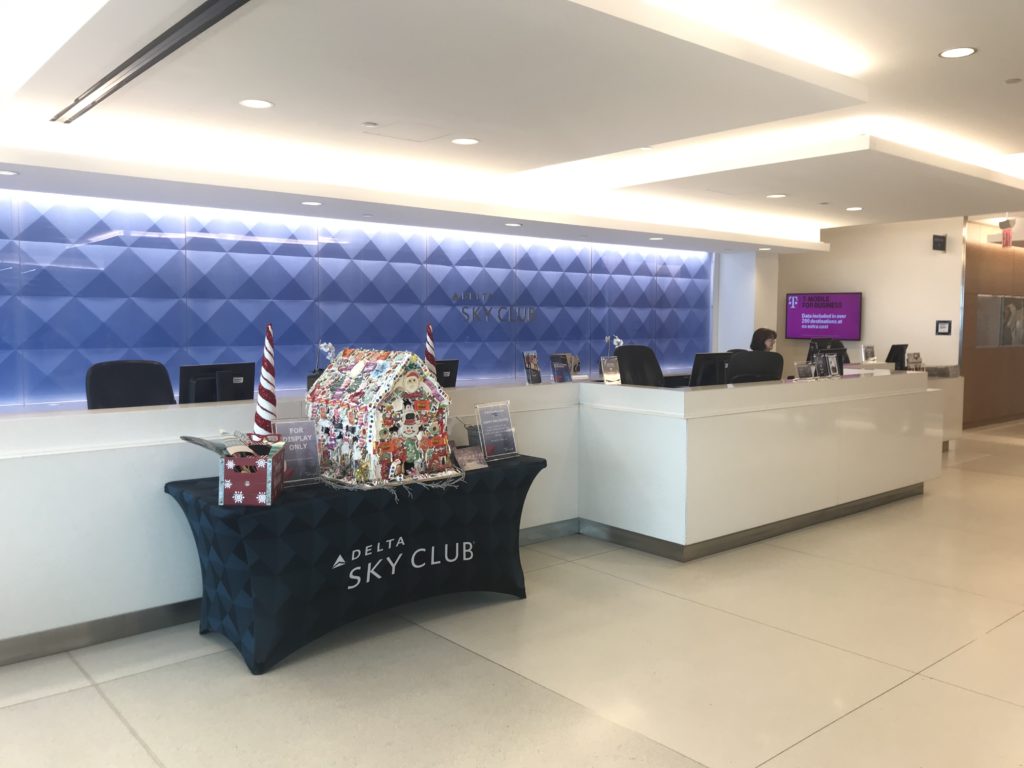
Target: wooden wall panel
x=993, y=376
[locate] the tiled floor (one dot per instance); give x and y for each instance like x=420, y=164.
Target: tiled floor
x=890, y=638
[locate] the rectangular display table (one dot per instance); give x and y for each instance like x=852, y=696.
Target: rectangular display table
x=275, y=578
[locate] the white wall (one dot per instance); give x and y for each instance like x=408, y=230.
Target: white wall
x=766, y=293
x=748, y=298
x=736, y=297
x=906, y=285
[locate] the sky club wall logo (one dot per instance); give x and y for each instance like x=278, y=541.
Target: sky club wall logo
x=475, y=307
x=387, y=557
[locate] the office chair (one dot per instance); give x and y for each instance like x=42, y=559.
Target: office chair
x=747, y=366
x=128, y=383
x=639, y=365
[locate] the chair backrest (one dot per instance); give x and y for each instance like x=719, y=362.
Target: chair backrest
x=128, y=383
x=745, y=366
x=639, y=365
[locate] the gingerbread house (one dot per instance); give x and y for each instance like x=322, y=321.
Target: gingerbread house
x=382, y=419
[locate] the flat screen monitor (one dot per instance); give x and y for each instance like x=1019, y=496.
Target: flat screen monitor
x=898, y=356
x=447, y=372
x=819, y=315
x=709, y=368
x=216, y=382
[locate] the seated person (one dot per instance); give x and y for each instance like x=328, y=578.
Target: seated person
x=763, y=340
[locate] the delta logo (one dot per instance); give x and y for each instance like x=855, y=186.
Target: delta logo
x=387, y=557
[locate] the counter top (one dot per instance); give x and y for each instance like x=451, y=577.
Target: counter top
x=702, y=402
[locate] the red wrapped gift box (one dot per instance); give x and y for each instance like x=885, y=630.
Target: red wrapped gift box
x=250, y=481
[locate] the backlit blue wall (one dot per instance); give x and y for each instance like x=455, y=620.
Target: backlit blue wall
x=84, y=280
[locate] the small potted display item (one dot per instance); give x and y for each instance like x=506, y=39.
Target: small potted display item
x=382, y=419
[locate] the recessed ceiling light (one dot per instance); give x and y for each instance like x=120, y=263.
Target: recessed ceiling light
x=465, y=142
x=854, y=208
x=513, y=224
x=655, y=238
x=311, y=202
x=5, y=172
x=776, y=196
x=371, y=124
x=1012, y=80
x=957, y=53
x=764, y=249
x=256, y=103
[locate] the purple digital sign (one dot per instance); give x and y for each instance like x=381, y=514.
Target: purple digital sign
x=823, y=316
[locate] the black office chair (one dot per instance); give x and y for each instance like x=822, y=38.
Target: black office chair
x=639, y=365
x=745, y=366
x=128, y=383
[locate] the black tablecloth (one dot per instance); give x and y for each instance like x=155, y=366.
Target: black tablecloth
x=275, y=578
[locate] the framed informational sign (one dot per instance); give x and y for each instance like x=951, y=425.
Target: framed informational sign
x=832, y=360
x=300, y=450
x=497, y=435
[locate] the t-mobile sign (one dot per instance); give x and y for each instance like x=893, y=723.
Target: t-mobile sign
x=823, y=315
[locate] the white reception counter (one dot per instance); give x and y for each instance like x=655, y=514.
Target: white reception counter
x=690, y=472
x=94, y=548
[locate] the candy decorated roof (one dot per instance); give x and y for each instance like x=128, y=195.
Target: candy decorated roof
x=366, y=377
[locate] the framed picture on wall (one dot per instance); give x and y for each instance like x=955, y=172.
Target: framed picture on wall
x=943, y=327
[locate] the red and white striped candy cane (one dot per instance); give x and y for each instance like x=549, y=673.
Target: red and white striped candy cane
x=429, y=355
x=266, y=394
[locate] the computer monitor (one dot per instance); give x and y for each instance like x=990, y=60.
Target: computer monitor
x=898, y=355
x=709, y=368
x=447, y=372
x=216, y=382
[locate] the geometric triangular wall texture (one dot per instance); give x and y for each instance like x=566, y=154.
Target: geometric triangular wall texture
x=84, y=280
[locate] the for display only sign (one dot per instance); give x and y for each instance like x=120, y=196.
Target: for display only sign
x=391, y=558
x=300, y=450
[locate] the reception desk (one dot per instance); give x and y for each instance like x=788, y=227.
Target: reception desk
x=95, y=548
x=684, y=473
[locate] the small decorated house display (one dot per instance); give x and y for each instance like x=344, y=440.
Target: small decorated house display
x=382, y=419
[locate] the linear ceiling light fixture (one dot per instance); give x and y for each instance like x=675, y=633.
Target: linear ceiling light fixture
x=173, y=38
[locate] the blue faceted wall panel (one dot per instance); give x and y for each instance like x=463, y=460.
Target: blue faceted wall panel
x=85, y=280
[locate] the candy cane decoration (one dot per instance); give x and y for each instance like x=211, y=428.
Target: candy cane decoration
x=429, y=356
x=266, y=395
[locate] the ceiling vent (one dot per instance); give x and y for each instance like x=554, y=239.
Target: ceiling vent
x=175, y=36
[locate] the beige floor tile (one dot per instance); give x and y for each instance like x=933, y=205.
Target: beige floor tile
x=723, y=690
x=533, y=559
x=993, y=664
x=38, y=678
x=900, y=621
x=150, y=650
x=76, y=729
x=1007, y=464
x=967, y=452
x=1000, y=516
x=960, y=482
x=984, y=564
x=921, y=723
x=378, y=693
x=572, y=547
